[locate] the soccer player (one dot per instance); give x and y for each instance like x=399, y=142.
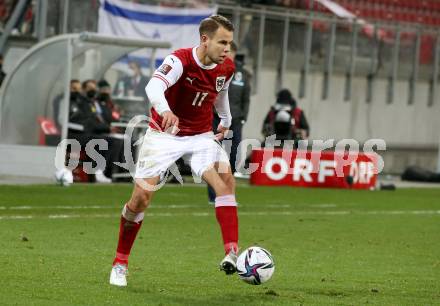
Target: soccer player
x=183, y=91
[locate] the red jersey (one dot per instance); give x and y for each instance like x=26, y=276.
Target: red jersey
x=192, y=90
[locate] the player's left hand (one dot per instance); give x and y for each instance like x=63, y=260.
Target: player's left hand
x=222, y=132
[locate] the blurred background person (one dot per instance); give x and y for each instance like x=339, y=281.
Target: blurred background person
x=286, y=120
x=239, y=98
x=2, y=73
x=75, y=93
x=111, y=112
x=90, y=119
x=85, y=124
x=133, y=84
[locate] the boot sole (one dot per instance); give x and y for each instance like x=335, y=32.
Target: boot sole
x=228, y=268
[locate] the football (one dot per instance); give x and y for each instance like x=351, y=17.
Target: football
x=255, y=265
x=64, y=177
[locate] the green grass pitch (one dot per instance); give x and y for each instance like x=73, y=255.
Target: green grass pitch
x=331, y=247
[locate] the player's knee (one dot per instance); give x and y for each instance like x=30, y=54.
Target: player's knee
x=229, y=181
x=140, y=200
x=222, y=188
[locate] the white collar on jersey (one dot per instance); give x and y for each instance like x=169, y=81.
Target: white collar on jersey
x=194, y=53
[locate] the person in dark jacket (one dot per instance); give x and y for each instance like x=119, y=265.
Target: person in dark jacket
x=82, y=111
x=133, y=84
x=75, y=93
x=239, y=98
x=85, y=113
x=2, y=73
x=87, y=122
x=111, y=113
x=285, y=119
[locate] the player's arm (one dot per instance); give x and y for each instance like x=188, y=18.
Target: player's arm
x=223, y=110
x=164, y=77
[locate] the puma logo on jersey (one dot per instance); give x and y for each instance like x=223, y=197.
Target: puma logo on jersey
x=190, y=80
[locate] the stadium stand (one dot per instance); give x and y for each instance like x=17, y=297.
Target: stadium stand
x=423, y=12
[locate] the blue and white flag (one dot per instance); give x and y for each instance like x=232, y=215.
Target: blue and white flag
x=179, y=26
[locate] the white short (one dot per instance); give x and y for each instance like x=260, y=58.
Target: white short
x=160, y=150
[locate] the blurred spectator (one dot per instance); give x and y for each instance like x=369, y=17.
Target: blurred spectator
x=101, y=112
x=2, y=73
x=75, y=91
x=111, y=112
x=134, y=84
x=285, y=119
x=239, y=97
x=105, y=113
x=82, y=110
x=87, y=121
x=101, y=109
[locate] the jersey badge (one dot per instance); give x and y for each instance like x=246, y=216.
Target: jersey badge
x=219, y=83
x=164, y=69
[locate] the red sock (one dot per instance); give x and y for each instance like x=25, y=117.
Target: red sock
x=127, y=234
x=226, y=213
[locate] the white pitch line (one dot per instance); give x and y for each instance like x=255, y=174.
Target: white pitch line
x=278, y=205
x=261, y=213
x=402, y=212
x=323, y=205
x=66, y=207
x=15, y=217
x=171, y=206
x=22, y=207
x=63, y=216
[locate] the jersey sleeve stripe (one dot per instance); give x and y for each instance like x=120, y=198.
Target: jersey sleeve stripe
x=162, y=78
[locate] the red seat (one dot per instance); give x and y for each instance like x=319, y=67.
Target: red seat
x=407, y=4
x=433, y=5
x=424, y=19
x=49, y=134
x=410, y=16
x=414, y=11
x=390, y=16
x=47, y=131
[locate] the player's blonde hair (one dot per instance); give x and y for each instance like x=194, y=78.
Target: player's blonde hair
x=210, y=25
